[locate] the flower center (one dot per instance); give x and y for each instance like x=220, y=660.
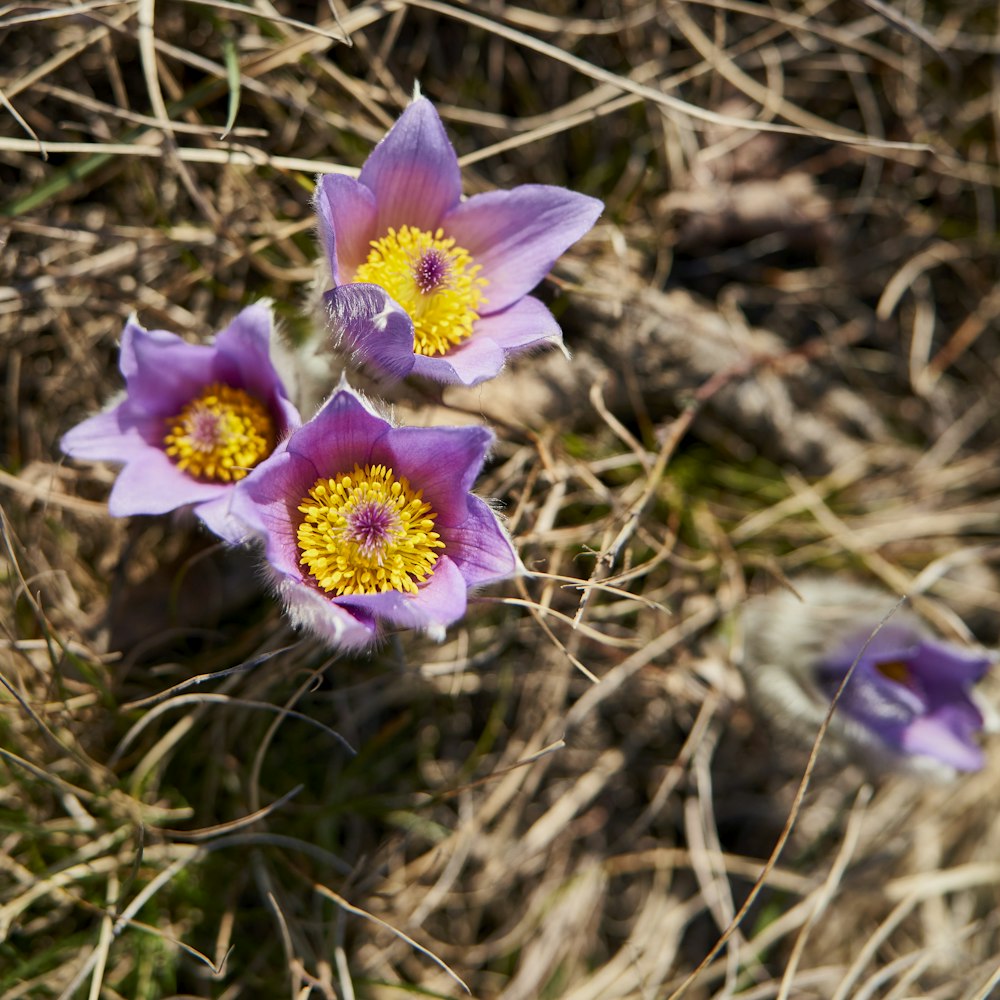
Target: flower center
x=435, y=281
x=220, y=435
x=366, y=532
x=895, y=670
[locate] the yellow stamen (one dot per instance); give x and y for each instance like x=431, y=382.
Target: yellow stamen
x=366, y=532
x=435, y=281
x=895, y=670
x=220, y=435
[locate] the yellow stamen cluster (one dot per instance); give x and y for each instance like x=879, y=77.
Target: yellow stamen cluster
x=435, y=281
x=220, y=435
x=366, y=532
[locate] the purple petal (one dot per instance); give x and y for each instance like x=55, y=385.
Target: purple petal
x=127, y=364
x=480, y=547
x=443, y=462
x=437, y=603
x=243, y=354
x=343, y=432
x=527, y=323
x=944, y=661
x=152, y=484
x=937, y=737
x=264, y=506
x=108, y=436
x=475, y=361
x=413, y=172
x=517, y=235
x=346, y=212
x=167, y=373
x=218, y=517
x=370, y=325
x=338, y=625
x=872, y=699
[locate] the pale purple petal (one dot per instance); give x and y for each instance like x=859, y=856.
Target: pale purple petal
x=371, y=327
x=437, y=603
x=346, y=211
x=340, y=626
x=152, y=484
x=108, y=437
x=930, y=713
x=127, y=363
x=479, y=545
x=243, y=356
x=517, y=235
x=413, y=172
x=939, y=736
x=526, y=324
x=168, y=373
x=472, y=362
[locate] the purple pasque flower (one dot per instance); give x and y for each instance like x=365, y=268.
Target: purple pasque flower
x=426, y=283
x=909, y=702
x=194, y=421
x=364, y=522
x=910, y=691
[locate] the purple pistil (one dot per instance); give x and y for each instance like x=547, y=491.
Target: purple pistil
x=370, y=526
x=203, y=429
x=431, y=271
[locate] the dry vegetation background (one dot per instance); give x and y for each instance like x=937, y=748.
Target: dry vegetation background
x=785, y=360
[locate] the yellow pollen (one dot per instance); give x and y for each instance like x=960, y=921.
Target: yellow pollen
x=435, y=281
x=895, y=670
x=366, y=532
x=220, y=435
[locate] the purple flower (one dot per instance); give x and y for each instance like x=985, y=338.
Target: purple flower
x=426, y=283
x=194, y=421
x=365, y=522
x=911, y=692
x=909, y=702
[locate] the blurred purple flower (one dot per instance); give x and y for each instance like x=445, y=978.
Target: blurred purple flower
x=909, y=702
x=365, y=522
x=194, y=421
x=911, y=692
x=426, y=283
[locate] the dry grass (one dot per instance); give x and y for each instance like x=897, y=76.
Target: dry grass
x=786, y=359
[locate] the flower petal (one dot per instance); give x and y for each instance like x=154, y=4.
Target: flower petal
x=346, y=211
x=937, y=736
x=480, y=546
x=372, y=327
x=263, y=505
x=340, y=626
x=516, y=236
x=168, y=372
x=943, y=662
x=416, y=453
x=525, y=324
x=344, y=432
x=107, y=436
x=475, y=361
x=152, y=484
x=413, y=172
x=436, y=604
